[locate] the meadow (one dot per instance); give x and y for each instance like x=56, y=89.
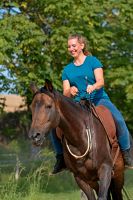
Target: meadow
x=35, y=182
x=24, y=177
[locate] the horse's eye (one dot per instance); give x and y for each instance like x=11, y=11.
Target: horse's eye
x=48, y=106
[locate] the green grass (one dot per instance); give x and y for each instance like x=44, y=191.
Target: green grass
x=128, y=184
x=75, y=195
x=38, y=185
x=35, y=183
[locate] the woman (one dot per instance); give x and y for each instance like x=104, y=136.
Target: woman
x=83, y=78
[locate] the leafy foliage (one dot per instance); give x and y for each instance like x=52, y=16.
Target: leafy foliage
x=15, y=125
x=33, y=43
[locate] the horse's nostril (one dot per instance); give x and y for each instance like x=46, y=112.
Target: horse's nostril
x=35, y=135
x=38, y=134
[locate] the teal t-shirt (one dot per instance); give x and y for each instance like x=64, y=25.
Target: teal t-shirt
x=82, y=76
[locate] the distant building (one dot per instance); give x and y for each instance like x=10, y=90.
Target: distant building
x=12, y=102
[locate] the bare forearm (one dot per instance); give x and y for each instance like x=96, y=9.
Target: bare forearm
x=67, y=93
x=98, y=85
x=99, y=79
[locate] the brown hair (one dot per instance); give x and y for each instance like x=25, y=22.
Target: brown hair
x=81, y=39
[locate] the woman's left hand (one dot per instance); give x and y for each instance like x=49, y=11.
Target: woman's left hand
x=90, y=89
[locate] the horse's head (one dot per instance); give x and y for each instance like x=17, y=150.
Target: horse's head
x=45, y=115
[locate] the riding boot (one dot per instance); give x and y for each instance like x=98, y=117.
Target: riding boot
x=128, y=160
x=59, y=165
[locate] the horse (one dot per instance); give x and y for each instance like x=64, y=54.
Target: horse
x=86, y=146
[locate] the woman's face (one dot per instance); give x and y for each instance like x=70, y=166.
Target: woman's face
x=74, y=47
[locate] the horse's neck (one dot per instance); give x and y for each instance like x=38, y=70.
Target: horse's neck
x=72, y=120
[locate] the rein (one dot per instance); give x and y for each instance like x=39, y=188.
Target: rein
x=88, y=132
x=89, y=146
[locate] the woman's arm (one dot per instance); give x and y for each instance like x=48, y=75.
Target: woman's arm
x=68, y=90
x=99, y=81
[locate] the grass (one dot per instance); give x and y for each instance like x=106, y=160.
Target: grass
x=38, y=185
x=128, y=185
x=75, y=195
x=35, y=183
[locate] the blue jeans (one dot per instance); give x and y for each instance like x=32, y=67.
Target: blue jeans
x=56, y=143
x=122, y=130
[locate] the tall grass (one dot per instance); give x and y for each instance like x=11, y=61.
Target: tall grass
x=37, y=184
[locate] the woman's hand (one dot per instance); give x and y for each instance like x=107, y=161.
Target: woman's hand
x=73, y=91
x=90, y=88
x=99, y=81
x=68, y=90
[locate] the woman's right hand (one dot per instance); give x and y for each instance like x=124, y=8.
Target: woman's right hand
x=73, y=91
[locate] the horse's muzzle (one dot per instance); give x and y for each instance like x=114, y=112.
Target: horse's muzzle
x=37, y=138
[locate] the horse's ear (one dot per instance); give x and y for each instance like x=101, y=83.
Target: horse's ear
x=33, y=88
x=48, y=85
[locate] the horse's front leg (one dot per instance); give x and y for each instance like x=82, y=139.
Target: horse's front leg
x=104, y=173
x=86, y=188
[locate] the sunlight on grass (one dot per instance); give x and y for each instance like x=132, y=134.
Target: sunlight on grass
x=58, y=196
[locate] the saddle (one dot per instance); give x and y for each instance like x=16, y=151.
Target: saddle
x=106, y=118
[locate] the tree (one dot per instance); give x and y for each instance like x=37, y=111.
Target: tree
x=37, y=42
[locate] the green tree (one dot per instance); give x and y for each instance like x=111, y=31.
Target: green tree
x=37, y=42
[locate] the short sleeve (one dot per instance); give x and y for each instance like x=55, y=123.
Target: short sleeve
x=96, y=63
x=64, y=75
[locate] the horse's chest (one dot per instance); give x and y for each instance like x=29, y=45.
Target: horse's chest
x=82, y=167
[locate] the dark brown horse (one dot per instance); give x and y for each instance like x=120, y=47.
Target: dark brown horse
x=87, y=150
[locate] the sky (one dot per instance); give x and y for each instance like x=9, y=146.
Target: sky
x=13, y=11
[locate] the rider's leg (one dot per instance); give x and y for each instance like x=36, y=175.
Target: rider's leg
x=56, y=143
x=122, y=131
